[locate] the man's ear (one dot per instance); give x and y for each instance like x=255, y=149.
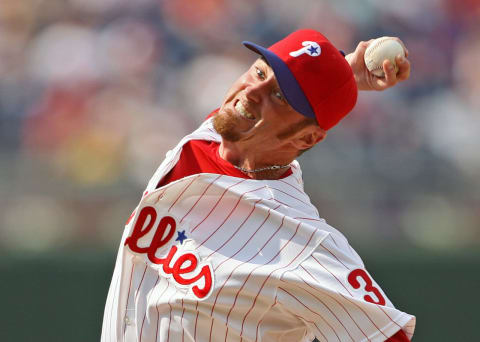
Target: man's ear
x=308, y=136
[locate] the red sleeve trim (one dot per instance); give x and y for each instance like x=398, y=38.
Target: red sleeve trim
x=399, y=337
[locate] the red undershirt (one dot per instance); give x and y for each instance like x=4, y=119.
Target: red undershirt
x=399, y=337
x=201, y=156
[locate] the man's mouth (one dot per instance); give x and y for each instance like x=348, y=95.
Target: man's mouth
x=241, y=109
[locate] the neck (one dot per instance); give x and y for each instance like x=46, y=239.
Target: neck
x=257, y=165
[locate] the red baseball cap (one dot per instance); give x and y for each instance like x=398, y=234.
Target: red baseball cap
x=313, y=75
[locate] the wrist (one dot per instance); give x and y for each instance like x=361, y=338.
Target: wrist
x=356, y=73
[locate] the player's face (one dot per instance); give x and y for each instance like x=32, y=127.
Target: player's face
x=255, y=111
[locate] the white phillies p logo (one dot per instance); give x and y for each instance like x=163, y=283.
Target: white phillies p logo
x=310, y=48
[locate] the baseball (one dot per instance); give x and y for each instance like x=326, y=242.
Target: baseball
x=378, y=51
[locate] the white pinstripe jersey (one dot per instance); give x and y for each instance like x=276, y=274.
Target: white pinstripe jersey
x=217, y=258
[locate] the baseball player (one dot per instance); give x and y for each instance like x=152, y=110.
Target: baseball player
x=225, y=244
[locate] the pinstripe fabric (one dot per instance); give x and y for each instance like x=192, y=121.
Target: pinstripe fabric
x=278, y=271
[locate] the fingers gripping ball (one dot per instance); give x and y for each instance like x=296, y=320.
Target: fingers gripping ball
x=378, y=51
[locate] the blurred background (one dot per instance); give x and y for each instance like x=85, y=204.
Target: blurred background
x=94, y=92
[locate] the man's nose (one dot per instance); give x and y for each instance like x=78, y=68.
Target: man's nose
x=256, y=90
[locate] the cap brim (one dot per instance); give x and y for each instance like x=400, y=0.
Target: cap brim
x=286, y=80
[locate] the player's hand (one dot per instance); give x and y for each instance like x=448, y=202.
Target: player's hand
x=366, y=80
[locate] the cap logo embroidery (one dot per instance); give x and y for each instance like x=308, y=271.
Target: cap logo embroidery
x=310, y=48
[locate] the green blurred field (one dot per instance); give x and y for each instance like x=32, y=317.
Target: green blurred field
x=61, y=298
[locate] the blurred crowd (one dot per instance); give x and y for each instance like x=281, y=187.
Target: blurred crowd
x=94, y=92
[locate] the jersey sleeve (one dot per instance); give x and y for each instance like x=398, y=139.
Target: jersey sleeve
x=399, y=337
x=338, y=300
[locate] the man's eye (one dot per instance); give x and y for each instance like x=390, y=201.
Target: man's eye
x=260, y=73
x=278, y=94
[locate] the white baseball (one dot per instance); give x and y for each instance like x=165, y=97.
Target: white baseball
x=378, y=51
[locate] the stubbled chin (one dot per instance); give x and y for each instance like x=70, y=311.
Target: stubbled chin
x=225, y=124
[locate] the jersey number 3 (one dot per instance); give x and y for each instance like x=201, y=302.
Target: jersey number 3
x=368, y=286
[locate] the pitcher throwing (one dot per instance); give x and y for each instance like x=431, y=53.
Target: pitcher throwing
x=225, y=244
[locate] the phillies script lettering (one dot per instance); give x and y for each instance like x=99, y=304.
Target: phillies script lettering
x=187, y=269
